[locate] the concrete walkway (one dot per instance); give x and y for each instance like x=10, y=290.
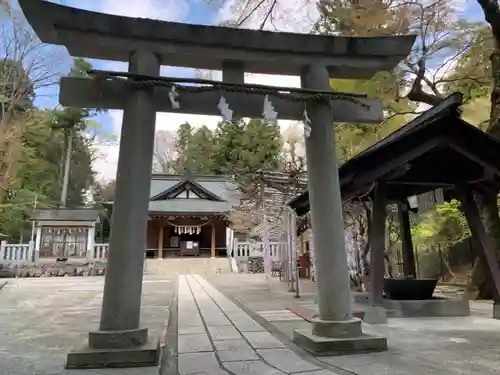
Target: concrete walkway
x=215, y=336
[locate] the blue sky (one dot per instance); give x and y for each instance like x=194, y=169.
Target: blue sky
x=297, y=17
x=472, y=11
x=197, y=12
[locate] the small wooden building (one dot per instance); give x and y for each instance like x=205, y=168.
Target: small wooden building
x=436, y=150
x=64, y=232
x=189, y=215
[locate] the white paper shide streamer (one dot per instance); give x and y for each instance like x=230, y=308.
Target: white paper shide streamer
x=428, y=200
x=269, y=113
x=226, y=112
x=187, y=229
x=172, y=96
x=307, y=125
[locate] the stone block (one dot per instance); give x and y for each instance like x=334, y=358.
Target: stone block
x=263, y=340
x=244, y=323
x=197, y=363
x=234, y=350
x=224, y=333
x=436, y=307
x=361, y=297
x=251, y=368
x=141, y=356
x=339, y=329
x=375, y=315
x=326, y=346
x=194, y=343
x=216, y=320
x=286, y=360
x=190, y=330
x=118, y=339
x=7, y=273
x=496, y=310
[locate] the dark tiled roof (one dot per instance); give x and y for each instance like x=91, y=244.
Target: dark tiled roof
x=66, y=214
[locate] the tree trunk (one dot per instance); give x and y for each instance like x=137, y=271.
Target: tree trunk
x=481, y=281
x=489, y=201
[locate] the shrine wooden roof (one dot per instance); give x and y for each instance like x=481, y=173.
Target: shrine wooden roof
x=212, y=194
x=437, y=149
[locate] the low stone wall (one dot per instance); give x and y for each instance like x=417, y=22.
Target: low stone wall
x=57, y=269
x=436, y=307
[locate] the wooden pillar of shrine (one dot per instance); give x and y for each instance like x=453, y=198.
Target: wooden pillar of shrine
x=375, y=313
x=212, y=243
x=377, y=243
x=409, y=266
x=160, y=241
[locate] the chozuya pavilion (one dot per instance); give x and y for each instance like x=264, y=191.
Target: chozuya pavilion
x=146, y=45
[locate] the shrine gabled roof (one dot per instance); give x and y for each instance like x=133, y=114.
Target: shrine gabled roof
x=435, y=150
x=221, y=191
x=109, y=37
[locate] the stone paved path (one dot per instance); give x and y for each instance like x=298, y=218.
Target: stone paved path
x=42, y=319
x=216, y=337
x=430, y=346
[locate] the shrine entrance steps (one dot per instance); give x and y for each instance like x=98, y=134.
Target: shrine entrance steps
x=186, y=265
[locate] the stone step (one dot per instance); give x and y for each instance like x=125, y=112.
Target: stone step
x=183, y=266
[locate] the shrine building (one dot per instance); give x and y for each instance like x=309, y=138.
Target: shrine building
x=189, y=215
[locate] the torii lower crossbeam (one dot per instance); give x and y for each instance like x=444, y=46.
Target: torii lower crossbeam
x=89, y=93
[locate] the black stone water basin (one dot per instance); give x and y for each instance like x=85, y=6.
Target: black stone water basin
x=409, y=289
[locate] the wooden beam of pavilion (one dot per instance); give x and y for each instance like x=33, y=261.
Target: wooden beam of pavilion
x=113, y=94
x=480, y=237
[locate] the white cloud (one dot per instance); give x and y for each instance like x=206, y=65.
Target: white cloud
x=165, y=10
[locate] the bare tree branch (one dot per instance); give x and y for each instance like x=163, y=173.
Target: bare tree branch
x=164, y=152
x=26, y=66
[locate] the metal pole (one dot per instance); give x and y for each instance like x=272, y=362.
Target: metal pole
x=293, y=235
x=297, y=289
x=290, y=253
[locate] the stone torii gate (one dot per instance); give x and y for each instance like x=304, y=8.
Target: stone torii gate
x=146, y=45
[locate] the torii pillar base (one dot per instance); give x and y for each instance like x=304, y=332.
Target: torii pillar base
x=338, y=338
x=146, y=355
